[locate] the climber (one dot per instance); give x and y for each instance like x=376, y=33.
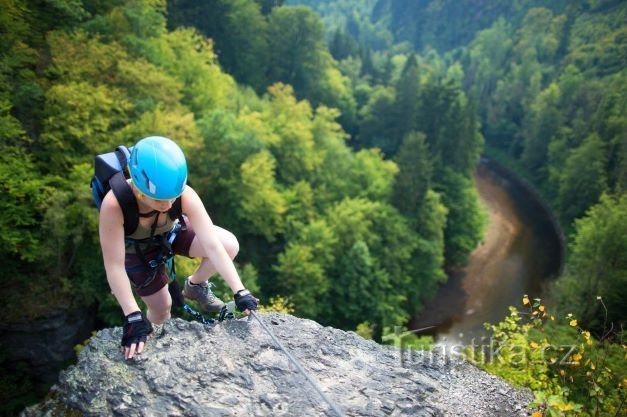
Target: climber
x=169, y=214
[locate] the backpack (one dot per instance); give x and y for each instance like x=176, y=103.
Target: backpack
x=111, y=173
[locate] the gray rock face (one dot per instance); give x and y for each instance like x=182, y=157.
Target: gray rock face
x=234, y=368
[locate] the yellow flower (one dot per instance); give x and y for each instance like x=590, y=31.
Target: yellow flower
x=537, y=414
x=573, y=323
x=541, y=308
x=534, y=345
x=577, y=357
x=525, y=299
x=552, y=317
x=563, y=406
x=562, y=373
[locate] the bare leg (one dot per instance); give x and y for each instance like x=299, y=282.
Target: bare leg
x=159, y=305
x=206, y=269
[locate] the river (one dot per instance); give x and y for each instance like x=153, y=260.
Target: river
x=521, y=251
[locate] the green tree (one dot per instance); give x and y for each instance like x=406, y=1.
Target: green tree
x=342, y=45
x=414, y=179
x=384, y=232
x=297, y=48
x=373, y=176
x=244, y=47
x=535, y=45
x=408, y=101
x=377, y=120
x=298, y=56
x=598, y=264
x=227, y=142
x=79, y=121
x=333, y=178
x=583, y=179
x=23, y=195
x=21, y=91
x=466, y=219
x=487, y=60
x=459, y=141
x=428, y=266
x=262, y=203
x=205, y=86
x=361, y=291
x=541, y=125
x=301, y=279
x=238, y=29
x=290, y=122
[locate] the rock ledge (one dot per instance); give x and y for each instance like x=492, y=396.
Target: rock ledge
x=233, y=368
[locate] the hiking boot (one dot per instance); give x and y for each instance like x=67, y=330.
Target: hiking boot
x=203, y=294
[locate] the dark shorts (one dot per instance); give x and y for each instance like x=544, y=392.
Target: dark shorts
x=180, y=246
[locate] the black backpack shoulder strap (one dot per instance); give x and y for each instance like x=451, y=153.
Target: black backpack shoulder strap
x=127, y=201
x=176, y=211
x=123, y=155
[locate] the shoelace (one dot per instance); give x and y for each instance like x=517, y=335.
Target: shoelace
x=206, y=289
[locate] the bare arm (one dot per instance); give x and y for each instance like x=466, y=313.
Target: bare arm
x=199, y=218
x=113, y=253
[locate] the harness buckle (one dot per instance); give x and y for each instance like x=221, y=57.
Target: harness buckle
x=172, y=234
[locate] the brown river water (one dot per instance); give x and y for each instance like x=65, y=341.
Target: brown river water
x=521, y=251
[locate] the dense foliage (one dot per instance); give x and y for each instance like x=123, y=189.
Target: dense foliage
x=570, y=371
x=336, y=139
x=546, y=81
x=317, y=219
x=319, y=222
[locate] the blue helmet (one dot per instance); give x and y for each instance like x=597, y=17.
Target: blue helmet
x=158, y=168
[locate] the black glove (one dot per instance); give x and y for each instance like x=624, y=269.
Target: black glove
x=244, y=300
x=136, y=329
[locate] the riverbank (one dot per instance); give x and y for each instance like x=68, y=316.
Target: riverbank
x=520, y=251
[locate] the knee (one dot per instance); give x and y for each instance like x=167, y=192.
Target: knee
x=231, y=245
x=160, y=314
x=159, y=318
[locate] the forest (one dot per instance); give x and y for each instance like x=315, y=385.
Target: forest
x=336, y=139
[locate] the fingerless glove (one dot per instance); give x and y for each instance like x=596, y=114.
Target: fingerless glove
x=136, y=329
x=244, y=300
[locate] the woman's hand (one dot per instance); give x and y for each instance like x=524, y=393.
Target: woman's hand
x=245, y=301
x=134, y=334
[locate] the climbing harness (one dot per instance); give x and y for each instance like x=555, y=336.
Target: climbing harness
x=166, y=256
x=302, y=370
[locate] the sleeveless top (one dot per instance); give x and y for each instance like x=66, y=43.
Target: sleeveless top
x=142, y=234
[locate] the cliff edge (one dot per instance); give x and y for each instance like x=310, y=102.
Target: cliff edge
x=234, y=368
